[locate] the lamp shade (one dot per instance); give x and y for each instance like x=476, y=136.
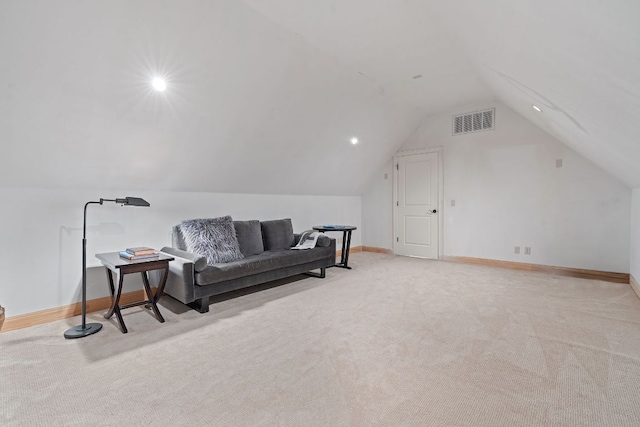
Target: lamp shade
x=136, y=201
x=128, y=201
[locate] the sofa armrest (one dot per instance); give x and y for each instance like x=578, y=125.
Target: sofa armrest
x=181, y=276
x=199, y=261
x=323, y=241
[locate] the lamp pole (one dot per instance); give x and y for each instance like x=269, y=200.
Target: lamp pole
x=91, y=328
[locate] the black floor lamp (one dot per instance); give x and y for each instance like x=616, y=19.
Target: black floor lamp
x=91, y=328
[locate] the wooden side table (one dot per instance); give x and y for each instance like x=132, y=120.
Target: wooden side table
x=346, y=241
x=114, y=264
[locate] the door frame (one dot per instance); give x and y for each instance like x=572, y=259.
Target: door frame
x=439, y=150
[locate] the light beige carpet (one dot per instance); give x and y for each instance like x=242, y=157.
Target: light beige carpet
x=394, y=342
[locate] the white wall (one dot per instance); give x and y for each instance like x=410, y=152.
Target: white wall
x=635, y=234
x=377, y=210
x=508, y=192
x=41, y=251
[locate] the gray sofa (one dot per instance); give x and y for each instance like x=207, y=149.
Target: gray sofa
x=267, y=255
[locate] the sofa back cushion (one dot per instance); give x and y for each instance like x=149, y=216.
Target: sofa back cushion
x=213, y=238
x=277, y=234
x=249, y=236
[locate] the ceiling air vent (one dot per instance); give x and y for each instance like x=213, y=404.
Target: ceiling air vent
x=473, y=122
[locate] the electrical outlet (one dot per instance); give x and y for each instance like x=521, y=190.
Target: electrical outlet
x=339, y=240
x=453, y=202
x=527, y=250
x=516, y=250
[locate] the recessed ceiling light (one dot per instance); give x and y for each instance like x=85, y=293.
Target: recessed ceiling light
x=159, y=84
x=538, y=109
x=354, y=140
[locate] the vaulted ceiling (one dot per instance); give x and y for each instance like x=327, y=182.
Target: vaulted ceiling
x=264, y=95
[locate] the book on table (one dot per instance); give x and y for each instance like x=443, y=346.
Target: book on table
x=140, y=250
x=140, y=253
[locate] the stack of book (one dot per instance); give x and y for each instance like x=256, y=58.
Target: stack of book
x=138, y=253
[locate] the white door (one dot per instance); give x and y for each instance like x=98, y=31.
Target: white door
x=417, y=205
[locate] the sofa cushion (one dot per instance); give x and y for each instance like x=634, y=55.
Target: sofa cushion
x=213, y=238
x=277, y=234
x=256, y=264
x=249, y=237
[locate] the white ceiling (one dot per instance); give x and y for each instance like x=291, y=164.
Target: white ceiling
x=389, y=42
x=264, y=94
x=578, y=60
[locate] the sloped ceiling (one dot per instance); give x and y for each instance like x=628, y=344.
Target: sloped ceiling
x=577, y=60
x=264, y=95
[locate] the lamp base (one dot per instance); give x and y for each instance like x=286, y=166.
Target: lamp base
x=80, y=332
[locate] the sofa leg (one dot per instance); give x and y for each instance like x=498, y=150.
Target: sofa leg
x=201, y=305
x=320, y=275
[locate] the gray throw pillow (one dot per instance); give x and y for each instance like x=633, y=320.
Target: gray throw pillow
x=213, y=238
x=249, y=237
x=277, y=234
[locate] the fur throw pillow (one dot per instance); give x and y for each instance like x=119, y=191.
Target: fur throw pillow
x=213, y=238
